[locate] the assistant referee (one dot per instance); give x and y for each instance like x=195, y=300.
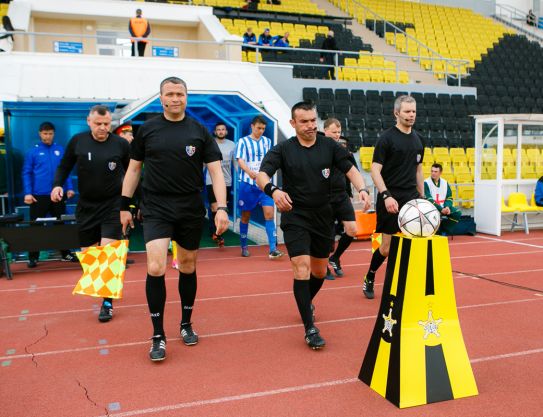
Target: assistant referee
x=306, y=162
x=101, y=158
x=174, y=148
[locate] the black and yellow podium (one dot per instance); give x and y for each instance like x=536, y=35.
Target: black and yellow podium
x=416, y=353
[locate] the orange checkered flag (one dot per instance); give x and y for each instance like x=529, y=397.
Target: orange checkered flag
x=376, y=240
x=103, y=270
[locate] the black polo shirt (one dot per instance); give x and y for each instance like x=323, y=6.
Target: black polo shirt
x=307, y=171
x=399, y=153
x=100, y=166
x=174, y=154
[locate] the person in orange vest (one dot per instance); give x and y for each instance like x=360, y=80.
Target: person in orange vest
x=139, y=27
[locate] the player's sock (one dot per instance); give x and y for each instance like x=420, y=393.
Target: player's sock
x=243, y=229
x=212, y=228
x=344, y=242
x=187, y=291
x=272, y=238
x=315, y=285
x=376, y=261
x=302, y=295
x=155, y=289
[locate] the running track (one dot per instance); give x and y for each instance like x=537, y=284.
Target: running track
x=57, y=360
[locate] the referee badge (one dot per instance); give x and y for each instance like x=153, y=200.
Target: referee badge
x=112, y=165
x=190, y=150
x=326, y=172
x=419, y=157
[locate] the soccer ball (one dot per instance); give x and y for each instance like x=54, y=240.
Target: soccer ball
x=419, y=218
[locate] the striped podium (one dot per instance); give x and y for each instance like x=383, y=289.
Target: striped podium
x=416, y=354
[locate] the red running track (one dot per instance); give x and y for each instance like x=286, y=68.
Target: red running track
x=56, y=359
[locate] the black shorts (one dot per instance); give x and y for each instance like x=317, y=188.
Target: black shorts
x=211, y=195
x=97, y=220
x=308, y=232
x=179, y=218
x=388, y=222
x=343, y=209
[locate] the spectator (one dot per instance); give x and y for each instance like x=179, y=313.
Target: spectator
x=251, y=5
x=328, y=58
x=539, y=192
x=265, y=39
x=6, y=40
x=139, y=27
x=281, y=41
x=531, y=18
x=249, y=37
x=38, y=173
x=438, y=192
x=125, y=131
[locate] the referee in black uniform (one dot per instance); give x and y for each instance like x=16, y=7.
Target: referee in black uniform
x=173, y=147
x=397, y=173
x=306, y=162
x=102, y=159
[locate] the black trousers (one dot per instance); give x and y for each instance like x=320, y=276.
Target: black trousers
x=141, y=48
x=44, y=207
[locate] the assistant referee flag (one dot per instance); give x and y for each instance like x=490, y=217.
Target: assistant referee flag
x=103, y=270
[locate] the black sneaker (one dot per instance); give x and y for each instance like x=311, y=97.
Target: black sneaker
x=329, y=275
x=32, y=263
x=367, y=288
x=158, y=348
x=275, y=254
x=130, y=261
x=69, y=257
x=245, y=252
x=189, y=336
x=336, y=266
x=106, y=312
x=314, y=339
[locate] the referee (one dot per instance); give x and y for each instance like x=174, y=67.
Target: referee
x=397, y=173
x=173, y=147
x=101, y=158
x=306, y=162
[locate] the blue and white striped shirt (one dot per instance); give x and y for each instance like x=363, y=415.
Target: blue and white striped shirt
x=252, y=152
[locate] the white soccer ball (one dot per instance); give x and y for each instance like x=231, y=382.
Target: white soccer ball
x=419, y=218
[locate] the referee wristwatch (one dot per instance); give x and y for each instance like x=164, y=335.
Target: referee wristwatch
x=223, y=209
x=385, y=194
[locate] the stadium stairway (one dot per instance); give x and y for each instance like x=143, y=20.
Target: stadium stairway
x=380, y=45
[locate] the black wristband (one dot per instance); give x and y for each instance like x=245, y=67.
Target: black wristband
x=125, y=203
x=364, y=189
x=269, y=188
x=223, y=208
x=385, y=194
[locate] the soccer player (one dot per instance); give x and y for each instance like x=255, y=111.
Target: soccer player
x=438, y=192
x=101, y=158
x=173, y=147
x=250, y=151
x=306, y=162
x=396, y=171
x=341, y=203
x=228, y=149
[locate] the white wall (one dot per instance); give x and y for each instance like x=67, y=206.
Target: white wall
x=485, y=7
x=523, y=5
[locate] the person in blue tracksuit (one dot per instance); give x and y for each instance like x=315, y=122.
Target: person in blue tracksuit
x=539, y=192
x=38, y=173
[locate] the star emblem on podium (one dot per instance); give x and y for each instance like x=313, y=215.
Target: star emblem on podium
x=430, y=326
x=389, y=322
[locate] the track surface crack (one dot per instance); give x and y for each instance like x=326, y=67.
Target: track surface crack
x=90, y=399
x=35, y=343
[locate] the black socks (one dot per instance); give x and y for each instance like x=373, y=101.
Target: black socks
x=302, y=294
x=376, y=261
x=315, y=285
x=187, y=291
x=344, y=242
x=155, y=289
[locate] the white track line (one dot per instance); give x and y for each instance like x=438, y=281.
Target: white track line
x=286, y=390
x=246, y=331
x=512, y=242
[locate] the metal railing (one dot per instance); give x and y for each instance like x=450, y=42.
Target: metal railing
x=513, y=17
x=225, y=52
x=424, y=52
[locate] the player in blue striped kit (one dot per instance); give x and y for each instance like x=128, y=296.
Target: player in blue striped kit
x=249, y=154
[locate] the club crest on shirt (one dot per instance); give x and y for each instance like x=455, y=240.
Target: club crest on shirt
x=57, y=153
x=418, y=157
x=190, y=150
x=112, y=165
x=326, y=172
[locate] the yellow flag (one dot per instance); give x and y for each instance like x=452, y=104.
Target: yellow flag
x=376, y=240
x=103, y=270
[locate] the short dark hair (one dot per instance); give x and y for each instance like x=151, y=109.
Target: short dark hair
x=173, y=80
x=331, y=121
x=438, y=166
x=46, y=126
x=259, y=119
x=220, y=124
x=100, y=109
x=302, y=105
